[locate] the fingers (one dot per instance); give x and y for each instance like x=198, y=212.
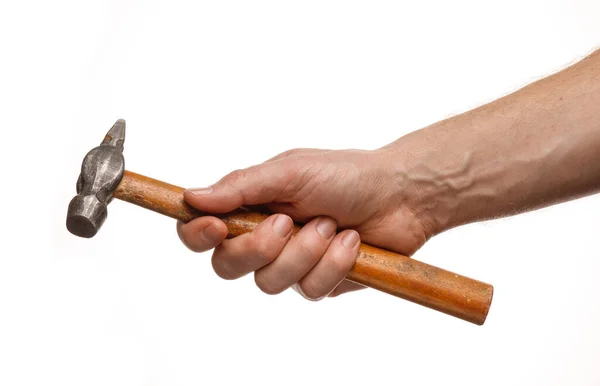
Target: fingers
x=298, y=257
x=332, y=268
x=256, y=185
x=314, y=262
x=202, y=234
x=246, y=253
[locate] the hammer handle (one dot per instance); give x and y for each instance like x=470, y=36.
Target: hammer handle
x=386, y=271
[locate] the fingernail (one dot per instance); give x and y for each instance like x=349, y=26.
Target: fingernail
x=350, y=239
x=211, y=234
x=282, y=225
x=326, y=227
x=200, y=191
x=296, y=287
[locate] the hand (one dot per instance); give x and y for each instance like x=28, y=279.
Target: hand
x=532, y=148
x=354, y=190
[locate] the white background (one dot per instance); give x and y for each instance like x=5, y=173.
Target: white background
x=207, y=87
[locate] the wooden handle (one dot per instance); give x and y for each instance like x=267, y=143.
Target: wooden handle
x=386, y=271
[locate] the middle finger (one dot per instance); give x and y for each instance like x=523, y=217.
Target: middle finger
x=298, y=257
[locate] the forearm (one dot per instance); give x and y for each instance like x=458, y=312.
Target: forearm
x=533, y=148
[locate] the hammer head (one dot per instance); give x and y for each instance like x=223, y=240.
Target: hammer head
x=101, y=172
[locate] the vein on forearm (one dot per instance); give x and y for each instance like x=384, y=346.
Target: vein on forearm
x=536, y=147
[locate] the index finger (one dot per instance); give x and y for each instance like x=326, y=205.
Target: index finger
x=202, y=234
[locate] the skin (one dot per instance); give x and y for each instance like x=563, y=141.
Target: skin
x=536, y=147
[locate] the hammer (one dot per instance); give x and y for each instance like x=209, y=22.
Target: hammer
x=103, y=177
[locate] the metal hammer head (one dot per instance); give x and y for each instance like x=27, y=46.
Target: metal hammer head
x=101, y=172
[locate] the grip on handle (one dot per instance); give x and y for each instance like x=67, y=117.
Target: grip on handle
x=386, y=271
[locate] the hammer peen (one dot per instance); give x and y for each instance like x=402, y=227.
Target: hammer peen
x=103, y=177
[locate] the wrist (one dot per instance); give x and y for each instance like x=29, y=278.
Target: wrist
x=415, y=184
x=444, y=172
x=476, y=166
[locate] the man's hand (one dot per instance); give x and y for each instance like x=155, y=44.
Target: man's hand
x=536, y=147
x=326, y=190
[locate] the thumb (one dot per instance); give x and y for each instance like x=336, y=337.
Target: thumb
x=261, y=184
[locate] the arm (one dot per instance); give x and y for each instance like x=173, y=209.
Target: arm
x=536, y=147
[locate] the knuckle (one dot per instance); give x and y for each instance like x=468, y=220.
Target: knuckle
x=264, y=249
x=235, y=176
x=265, y=285
x=340, y=262
x=291, y=152
x=311, y=245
